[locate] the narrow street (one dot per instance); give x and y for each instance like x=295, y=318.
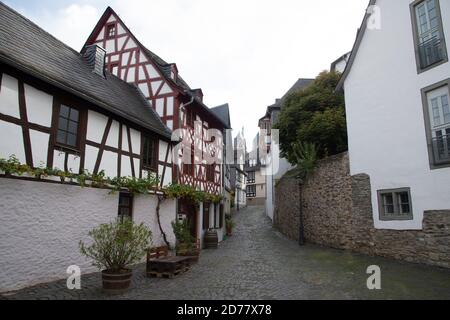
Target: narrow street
x=259, y=263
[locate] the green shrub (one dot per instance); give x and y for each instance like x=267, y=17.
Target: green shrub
x=117, y=245
x=182, y=232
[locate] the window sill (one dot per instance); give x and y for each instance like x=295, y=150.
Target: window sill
x=396, y=218
x=67, y=149
x=434, y=65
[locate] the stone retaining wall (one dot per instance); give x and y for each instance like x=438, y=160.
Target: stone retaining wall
x=337, y=212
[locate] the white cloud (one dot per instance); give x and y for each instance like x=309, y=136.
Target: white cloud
x=246, y=53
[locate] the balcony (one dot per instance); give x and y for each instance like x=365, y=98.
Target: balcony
x=441, y=149
x=431, y=52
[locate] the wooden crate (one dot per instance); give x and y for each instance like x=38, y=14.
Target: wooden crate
x=168, y=267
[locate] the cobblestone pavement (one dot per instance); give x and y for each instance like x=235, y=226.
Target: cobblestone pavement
x=259, y=263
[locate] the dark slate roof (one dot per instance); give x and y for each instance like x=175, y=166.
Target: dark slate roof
x=160, y=63
x=301, y=83
x=164, y=67
x=223, y=113
x=32, y=50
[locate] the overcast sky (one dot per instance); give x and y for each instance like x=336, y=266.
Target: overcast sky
x=244, y=52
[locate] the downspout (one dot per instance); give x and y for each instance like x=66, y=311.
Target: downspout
x=190, y=102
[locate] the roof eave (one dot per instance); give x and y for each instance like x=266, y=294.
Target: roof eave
x=359, y=37
x=60, y=85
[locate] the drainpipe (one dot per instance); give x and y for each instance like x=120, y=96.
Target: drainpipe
x=301, y=231
x=190, y=102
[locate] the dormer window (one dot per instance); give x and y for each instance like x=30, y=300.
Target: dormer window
x=111, y=31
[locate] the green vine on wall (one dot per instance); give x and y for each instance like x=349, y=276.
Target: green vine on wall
x=12, y=166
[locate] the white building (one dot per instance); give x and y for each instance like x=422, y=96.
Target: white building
x=238, y=175
x=397, y=102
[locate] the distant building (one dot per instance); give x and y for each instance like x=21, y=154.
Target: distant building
x=276, y=166
x=238, y=176
x=223, y=113
x=256, y=180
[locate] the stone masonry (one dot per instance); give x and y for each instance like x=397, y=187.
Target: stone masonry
x=337, y=212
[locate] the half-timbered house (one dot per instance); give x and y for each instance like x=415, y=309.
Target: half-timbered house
x=62, y=109
x=179, y=107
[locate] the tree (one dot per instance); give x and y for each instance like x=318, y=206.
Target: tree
x=315, y=115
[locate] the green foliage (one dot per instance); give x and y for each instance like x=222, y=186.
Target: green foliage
x=305, y=157
x=117, y=245
x=229, y=222
x=135, y=185
x=316, y=115
x=182, y=232
x=189, y=193
x=13, y=166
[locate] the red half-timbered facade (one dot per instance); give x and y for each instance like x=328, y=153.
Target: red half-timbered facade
x=178, y=106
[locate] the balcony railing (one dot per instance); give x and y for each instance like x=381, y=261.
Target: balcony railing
x=431, y=51
x=441, y=149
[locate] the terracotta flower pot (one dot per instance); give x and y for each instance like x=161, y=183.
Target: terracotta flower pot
x=116, y=282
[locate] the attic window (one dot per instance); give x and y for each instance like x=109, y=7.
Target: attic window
x=110, y=31
x=114, y=68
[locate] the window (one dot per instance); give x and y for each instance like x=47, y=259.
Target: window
x=251, y=177
x=188, y=168
x=395, y=204
x=114, y=68
x=437, y=121
x=149, y=153
x=428, y=34
x=206, y=216
x=251, y=191
x=125, y=205
x=110, y=31
x=68, y=121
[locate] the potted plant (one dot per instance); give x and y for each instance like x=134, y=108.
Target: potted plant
x=229, y=225
x=186, y=244
x=116, y=246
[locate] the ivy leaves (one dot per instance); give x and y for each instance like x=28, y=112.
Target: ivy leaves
x=12, y=166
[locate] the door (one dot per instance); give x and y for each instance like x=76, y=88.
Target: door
x=189, y=211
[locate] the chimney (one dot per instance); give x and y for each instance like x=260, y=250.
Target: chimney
x=95, y=57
